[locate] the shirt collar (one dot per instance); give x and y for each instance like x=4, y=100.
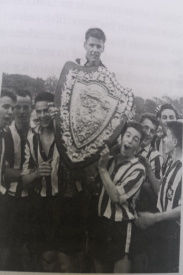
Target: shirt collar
x=132, y=161
x=2, y=132
x=84, y=61
x=147, y=148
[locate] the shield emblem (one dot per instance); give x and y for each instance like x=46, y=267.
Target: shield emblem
x=93, y=110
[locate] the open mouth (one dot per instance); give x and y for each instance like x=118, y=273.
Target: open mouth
x=126, y=147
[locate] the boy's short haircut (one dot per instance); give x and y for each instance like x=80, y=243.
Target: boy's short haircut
x=137, y=126
x=23, y=93
x=151, y=117
x=177, y=130
x=44, y=96
x=8, y=93
x=164, y=107
x=96, y=33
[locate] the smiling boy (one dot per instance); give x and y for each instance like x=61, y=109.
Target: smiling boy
x=122, y=177
x=166, y=113
x=150, y=124
x=40, y=173
x=94, y=46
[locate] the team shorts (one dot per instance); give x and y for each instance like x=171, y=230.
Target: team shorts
x=71, y=215
x=43, y=224
x=112, y=240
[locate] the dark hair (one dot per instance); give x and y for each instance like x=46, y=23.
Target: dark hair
x=44, y=96
x=164, y=107
x=151, y=117
x=8, y=93
x=177, y=130
x=95, y=32
x=137, y=126
x=23, y=93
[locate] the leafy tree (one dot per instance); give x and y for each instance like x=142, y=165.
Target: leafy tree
x=51, y=84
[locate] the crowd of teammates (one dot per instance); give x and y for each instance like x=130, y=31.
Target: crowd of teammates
x=121, y=214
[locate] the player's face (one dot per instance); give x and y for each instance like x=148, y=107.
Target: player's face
x=130, y=142
x=169, y=143
x=43, y=114
x=6, y=110
x=168, y=115
x=149, y=130
x=23, y=109
x=94, y=48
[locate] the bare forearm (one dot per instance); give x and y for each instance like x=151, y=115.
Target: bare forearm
x=29, y=178
x=109, y=185
x=12, y=174
x=155, y=183
x=171, y=215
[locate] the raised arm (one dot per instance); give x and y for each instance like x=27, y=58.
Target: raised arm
x=105, y=177
x=131, y=184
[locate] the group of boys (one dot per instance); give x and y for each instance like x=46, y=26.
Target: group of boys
x=45, y=206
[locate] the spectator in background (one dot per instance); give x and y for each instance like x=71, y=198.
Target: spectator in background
x=166, y=113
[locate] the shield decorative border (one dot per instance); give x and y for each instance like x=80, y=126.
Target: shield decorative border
x=93, y=109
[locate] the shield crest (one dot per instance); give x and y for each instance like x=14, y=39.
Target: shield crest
x=93, y=110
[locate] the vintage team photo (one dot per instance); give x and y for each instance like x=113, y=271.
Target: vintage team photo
x=90, y=168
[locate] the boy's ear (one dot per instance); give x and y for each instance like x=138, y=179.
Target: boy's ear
x=175, y=142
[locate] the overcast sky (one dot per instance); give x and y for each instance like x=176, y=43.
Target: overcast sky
x=143, y=48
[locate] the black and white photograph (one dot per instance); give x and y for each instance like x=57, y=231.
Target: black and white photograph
x=91, y=126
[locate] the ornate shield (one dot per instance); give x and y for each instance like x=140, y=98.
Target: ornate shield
x=93, y=110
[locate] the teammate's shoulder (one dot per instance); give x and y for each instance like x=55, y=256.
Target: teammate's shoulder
x=155, y=154
x=81, y=61
x=138, y=163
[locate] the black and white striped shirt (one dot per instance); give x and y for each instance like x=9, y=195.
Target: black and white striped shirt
x=170, y=190
x=34, y=155
x=14, y=156
x=128, y=176
x=155, y=158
